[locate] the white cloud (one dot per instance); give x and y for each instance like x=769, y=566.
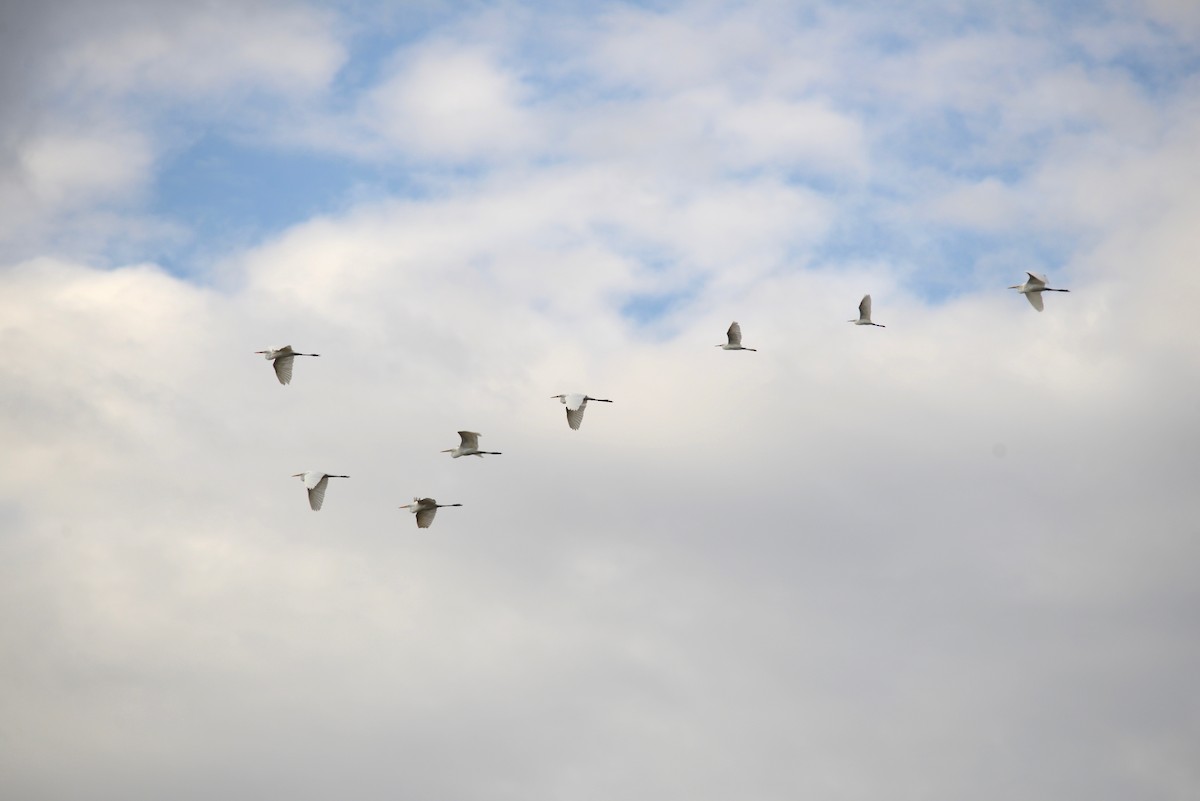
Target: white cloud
x=56, y=173
x=985, y=205
x=61, y=171
x=950, y=558
x=664, y=53
x=447, y=100
x=806, y=133
x=285, y=48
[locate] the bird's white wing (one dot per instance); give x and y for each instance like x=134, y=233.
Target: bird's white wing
x=1035, y=299
x=316, y=493
x=734, y=334
x=1035, y=279
x=470, y=439
x=864, y=308
x=425, y=516
x=283, y=369
x=575, y=416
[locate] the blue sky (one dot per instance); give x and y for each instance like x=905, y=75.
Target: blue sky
x=950, y=558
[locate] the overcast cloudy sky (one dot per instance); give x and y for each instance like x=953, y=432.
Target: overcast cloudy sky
x=954, y=558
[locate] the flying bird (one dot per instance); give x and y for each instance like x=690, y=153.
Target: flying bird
x=576, y=403
x=734, y=335
x=864, y=313
x=316, y=482
x=1033, y=288
x=282, y=359
x=425, y=509
x=469, y=446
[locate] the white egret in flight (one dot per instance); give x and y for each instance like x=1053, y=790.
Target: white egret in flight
x=282, y=358
x=1033, y=288
x=315, y=481
x=734, y=335
x=864, y=313
x=425, y=509
x=576, y=403
x=469, y=446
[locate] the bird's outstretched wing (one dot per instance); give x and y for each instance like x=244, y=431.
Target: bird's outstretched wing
x=283, y=368
x=1035, y=299
x=734, y=334
x=1035, y=279
x=575, y=416
x=864, y=308
x=470, y=439
x=425, y=516
x=316, y=494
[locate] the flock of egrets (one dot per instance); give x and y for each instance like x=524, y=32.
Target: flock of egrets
x=576, y=402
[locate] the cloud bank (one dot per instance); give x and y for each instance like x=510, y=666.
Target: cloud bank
x=950, y=558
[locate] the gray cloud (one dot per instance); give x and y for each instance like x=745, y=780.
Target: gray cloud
x=948, y=559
